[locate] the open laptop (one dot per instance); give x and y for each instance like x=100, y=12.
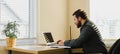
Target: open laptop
x=50, y=41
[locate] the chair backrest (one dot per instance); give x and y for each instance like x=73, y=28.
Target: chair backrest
x=115, y=49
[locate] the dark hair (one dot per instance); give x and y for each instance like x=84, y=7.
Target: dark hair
x=79, y=13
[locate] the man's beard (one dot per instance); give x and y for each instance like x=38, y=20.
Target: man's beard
x=79, y=24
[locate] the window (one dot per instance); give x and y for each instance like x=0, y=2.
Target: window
x=105, y=14
x=22, y=11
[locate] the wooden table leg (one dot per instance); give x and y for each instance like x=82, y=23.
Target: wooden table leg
x=69, y=51
x=9, y=51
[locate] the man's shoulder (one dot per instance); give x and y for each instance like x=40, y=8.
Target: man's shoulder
x=87, y=28
x=89, y=23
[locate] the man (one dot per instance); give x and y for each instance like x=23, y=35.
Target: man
x=89, y=38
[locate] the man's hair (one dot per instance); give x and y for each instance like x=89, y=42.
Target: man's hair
x=79, y=13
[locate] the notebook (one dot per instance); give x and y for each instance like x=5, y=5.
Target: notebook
x=50, y=41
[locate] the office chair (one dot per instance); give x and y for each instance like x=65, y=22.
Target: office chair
x=115, y=49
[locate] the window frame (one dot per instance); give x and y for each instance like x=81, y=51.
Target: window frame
x=32, y=26
x=32, y=19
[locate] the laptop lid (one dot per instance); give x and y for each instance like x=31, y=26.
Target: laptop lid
x=48, y=37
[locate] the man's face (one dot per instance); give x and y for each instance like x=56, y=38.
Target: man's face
x=77, y=22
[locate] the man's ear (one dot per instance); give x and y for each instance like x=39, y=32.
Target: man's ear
x=79, y=18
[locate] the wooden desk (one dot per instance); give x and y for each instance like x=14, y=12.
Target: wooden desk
x=38, y=50
x=77, y=50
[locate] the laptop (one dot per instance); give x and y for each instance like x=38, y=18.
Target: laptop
x=50, y=41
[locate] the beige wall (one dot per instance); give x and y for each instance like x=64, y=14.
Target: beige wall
x=56, y=16
x=73, y=6
x=52, y=17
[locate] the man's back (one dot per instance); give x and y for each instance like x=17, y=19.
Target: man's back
x=89, y=39
x=94, y=42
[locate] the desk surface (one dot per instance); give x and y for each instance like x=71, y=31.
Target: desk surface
x=33, y=49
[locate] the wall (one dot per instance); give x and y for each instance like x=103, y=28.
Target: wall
x=73, y=6
x=56, y=16
x=52, y=17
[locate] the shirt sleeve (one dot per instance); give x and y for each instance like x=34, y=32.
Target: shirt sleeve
x=84, y=36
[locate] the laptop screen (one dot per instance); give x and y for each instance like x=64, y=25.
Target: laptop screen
x=48, y=37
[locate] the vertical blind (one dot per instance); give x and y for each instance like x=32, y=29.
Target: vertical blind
x=106, y=15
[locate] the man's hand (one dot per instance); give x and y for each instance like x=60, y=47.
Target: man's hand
x=60, y=42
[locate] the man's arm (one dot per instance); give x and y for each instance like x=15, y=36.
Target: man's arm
x=84, y=36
